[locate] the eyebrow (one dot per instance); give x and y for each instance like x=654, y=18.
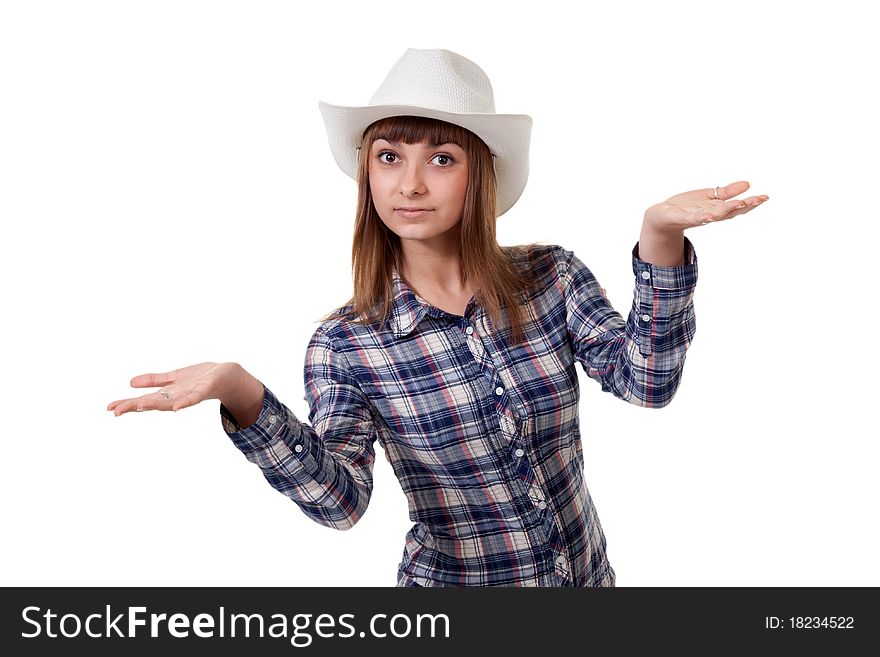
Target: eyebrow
x=396, y=144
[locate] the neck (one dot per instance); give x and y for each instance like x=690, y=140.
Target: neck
x=433, y=264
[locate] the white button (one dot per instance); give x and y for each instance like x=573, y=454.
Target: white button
x=271, y=419
x=542, y=504
x=298, y=448
x=560, y=560
x=499, y=390
x=646, y=318
x=646, y=275
x=469, y=330
x=519, y=452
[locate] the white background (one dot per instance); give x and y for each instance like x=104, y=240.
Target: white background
x=168, y=196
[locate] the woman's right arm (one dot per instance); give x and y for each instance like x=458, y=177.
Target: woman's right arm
x=325, y=466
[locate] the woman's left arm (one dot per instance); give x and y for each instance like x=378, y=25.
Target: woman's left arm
x=640, y=359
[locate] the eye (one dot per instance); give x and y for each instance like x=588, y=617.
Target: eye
x=385, y=153
x=448, y=158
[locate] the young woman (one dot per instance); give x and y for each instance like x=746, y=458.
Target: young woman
x=457, y=354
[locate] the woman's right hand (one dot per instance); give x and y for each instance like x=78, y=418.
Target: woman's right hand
x=181, y=388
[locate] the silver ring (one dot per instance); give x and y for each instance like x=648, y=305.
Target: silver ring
x=716, y=192
x=166, y=395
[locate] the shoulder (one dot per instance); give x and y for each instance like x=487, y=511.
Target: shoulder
x=544, y=264
x=343, y=330
x=535, y=257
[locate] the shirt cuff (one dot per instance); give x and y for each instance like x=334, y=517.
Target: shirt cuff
x=268, y=425
x=668, y=278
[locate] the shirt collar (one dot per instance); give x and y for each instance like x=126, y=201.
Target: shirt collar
x=408, y=308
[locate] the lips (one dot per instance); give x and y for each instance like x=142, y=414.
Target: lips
x=412, y=213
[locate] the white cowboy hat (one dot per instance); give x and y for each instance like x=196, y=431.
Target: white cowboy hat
x=443, y=85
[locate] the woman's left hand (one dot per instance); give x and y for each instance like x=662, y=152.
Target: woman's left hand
x=700, y=207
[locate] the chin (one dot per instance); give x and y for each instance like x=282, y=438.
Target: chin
x=415, y=233
x=417, y=230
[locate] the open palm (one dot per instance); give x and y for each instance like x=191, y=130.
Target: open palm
x=700, y=206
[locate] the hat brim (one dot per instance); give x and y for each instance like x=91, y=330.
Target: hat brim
x=507, y=136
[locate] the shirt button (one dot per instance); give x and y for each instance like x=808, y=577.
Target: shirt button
x=542, y=504
x=298, y=448
x=560, y=560
x=469, y=330
x=499, y=390
x=646, y=275
x=519, y=452
x=646, y=318
x=271, y=419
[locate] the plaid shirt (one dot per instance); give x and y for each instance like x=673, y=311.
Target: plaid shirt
x=483, y=436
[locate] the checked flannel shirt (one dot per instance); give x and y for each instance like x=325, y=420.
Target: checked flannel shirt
x=483, y=436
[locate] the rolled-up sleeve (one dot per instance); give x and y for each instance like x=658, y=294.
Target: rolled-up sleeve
x=325, y=465
x=640, y=359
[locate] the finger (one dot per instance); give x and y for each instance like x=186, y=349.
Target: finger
x=728, y=191
x=737, y=203
x=754, y=201
x=128, y=405
x=123, y=407
x=154, y=380
x=115, y=404
x=746, y=207
x=739, y=207
x=155, y=401
x=119, y=407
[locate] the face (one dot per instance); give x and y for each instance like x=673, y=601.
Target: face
x=431, y=178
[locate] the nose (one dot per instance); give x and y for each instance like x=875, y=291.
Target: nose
x=411, y=180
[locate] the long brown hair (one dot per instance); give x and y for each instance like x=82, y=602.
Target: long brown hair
x=376, y=249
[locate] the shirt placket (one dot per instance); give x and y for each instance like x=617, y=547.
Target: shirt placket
x=514, y=430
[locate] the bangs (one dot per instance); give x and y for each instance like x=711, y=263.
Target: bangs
x=416, y=130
